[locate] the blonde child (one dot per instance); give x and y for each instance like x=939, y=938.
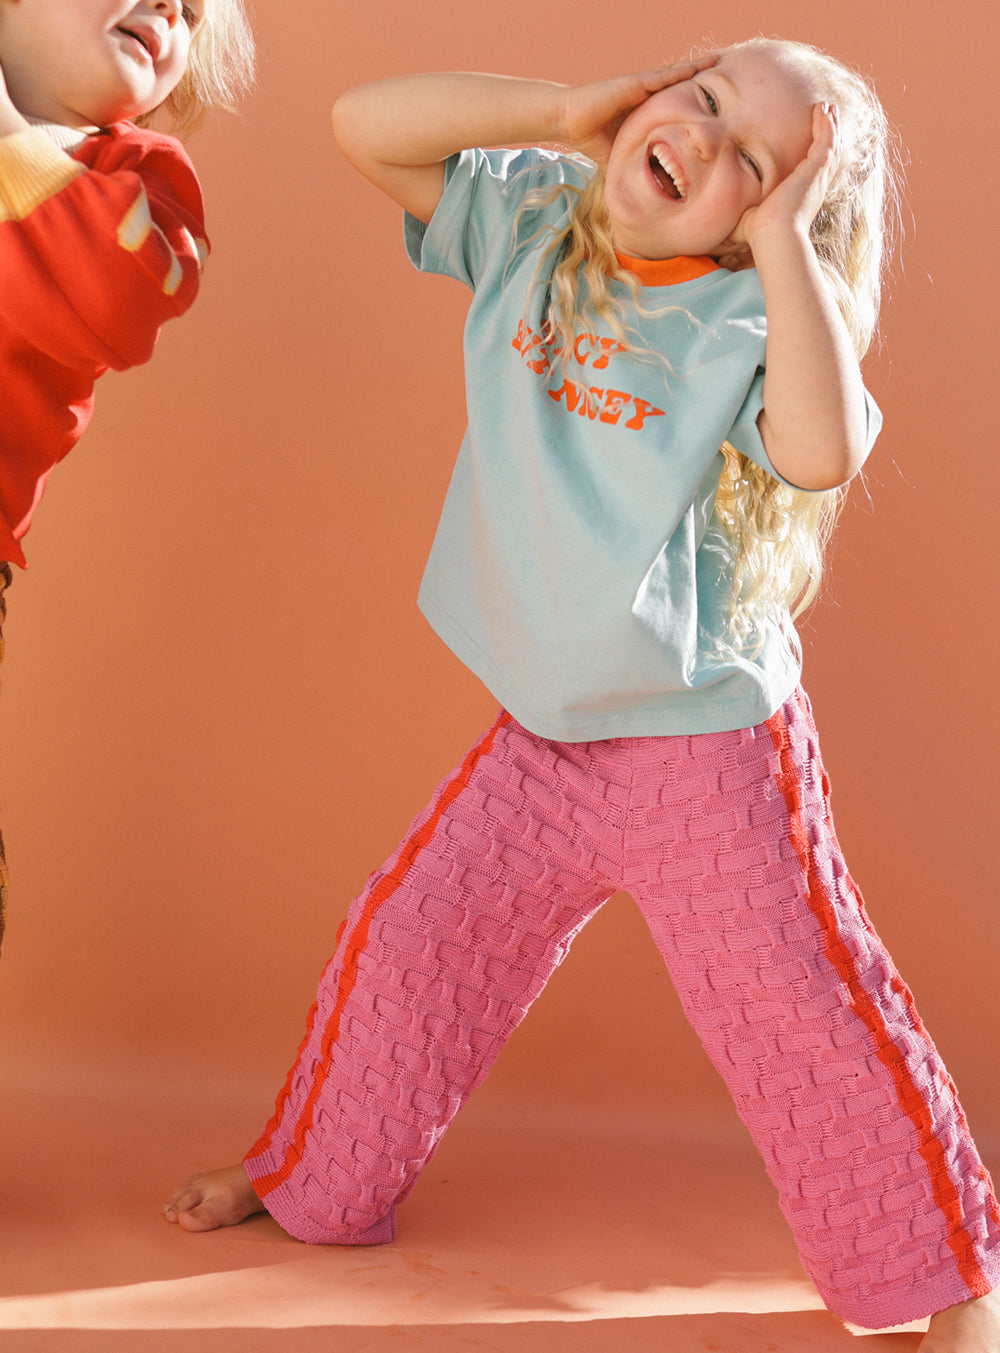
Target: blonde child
x=626, y=589
x=102, y=235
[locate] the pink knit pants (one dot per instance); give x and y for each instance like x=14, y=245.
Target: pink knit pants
x=726, y=843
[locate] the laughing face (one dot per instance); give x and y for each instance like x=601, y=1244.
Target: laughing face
x=688, y=162
x=91, y=62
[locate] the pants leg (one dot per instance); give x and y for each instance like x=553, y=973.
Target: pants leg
x=438, y=961
x=5, y=581
x=737, y=868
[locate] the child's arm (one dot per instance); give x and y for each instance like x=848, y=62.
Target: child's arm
x=398, y=133
x=97, y=249
x=814, y=422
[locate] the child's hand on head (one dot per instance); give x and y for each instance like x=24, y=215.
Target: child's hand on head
x=794, y=203
x=593, y=113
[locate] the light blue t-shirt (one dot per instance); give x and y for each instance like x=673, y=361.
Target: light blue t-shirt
x=578, y=568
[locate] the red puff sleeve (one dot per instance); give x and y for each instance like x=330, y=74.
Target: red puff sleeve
x=97, y=251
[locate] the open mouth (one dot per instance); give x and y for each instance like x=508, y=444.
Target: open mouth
x=667, y=175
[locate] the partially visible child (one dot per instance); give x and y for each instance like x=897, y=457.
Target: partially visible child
x=663, y=388
x=102, y=234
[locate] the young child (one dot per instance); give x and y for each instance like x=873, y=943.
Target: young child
x=102, y=234
x=625, y=588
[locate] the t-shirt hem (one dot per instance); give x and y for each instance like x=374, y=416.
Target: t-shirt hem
x=688, y=712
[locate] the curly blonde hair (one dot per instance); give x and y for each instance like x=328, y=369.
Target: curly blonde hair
x=779, y=533
x=222, y=64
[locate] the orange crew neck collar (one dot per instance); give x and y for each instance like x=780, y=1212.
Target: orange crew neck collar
x=667, y=272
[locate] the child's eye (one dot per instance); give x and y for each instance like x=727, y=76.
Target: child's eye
x=753, y=165
x=190, y=16
x=710, y=102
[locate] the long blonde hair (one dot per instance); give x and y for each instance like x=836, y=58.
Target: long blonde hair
x=779, y=534
x=221, y=67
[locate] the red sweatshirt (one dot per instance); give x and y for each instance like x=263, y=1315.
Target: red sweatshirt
x=97, y=249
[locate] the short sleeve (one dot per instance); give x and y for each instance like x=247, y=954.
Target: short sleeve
x=745, y=435
x=483, y=192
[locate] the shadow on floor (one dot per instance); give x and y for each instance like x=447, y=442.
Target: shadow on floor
x=811, y=1332
x=591, y=1232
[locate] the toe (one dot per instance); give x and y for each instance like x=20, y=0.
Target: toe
x=198, y=1219
x=183, y=1199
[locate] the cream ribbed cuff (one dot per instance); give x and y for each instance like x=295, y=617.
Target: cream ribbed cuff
x=32, y=170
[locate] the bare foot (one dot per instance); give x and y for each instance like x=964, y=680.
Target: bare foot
x=217, y=1198
x=970, y=1327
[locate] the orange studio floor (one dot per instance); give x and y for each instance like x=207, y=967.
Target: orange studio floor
x=221, y=709
x=580, y=1231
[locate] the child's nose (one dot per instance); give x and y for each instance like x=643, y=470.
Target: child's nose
x=171, y=9
x=703, y=136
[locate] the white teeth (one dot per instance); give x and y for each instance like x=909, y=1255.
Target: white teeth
x=671, y=171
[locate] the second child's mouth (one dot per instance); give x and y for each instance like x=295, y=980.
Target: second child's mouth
x=147, y=41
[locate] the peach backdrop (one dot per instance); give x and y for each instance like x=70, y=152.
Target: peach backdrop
x=221, y=706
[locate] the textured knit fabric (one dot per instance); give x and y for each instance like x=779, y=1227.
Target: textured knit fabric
x=98, y=249
x=727, y=844
x=578, y=568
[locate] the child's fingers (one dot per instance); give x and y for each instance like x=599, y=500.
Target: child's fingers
x=595, y=112
x=826, y=130
x=633, y=90
x=628, y=91
x=806, y=186
x=824, y=153
x=800, y=196
x=676, y=73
